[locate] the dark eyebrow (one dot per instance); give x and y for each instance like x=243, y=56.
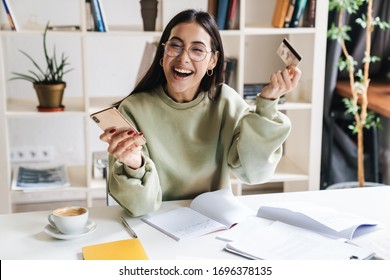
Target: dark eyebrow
x=175, y=38
x=179, y=39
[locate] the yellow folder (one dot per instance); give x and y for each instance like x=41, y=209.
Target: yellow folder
x=128, y=249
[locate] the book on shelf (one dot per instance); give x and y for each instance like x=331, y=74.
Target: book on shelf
x=127, y=249
x=251, y=91
x=298, y=230
x=226, y=13
x=280, y=12
x=89, y=20
x=309, y=15
x=99, y=16
x=299, y=8
x=40, y=177
x=212, y=7
x=289, y=13
x=222, y=13
x=10, y=15
x=233, y=15
x=230, y=68
x=103, y=15
x=207, y=213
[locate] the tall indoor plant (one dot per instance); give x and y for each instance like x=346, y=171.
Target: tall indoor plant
x=359, y=80
x=48, y=82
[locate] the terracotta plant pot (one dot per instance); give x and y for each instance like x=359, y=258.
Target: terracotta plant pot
x=50, y=96
x=149, y=14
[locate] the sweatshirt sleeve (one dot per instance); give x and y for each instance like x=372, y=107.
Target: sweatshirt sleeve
x=257, y=143
x=137, y=191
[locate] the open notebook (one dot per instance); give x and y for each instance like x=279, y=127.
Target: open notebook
x=280, y=241
x=219, y=210
x=208, y=212
x=298, y=230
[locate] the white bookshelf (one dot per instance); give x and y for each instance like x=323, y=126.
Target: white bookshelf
x=105, y=69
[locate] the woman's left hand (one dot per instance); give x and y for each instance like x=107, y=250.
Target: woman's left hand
x=282, y=82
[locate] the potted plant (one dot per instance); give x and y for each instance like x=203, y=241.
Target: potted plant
x=359, y=80
x=48, y=82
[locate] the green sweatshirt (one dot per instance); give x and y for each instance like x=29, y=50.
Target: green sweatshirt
x=192, y=147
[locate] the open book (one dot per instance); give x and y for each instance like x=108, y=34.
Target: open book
x=298, y=230
x=208, y=212
x=321, y=219
x=280, y=241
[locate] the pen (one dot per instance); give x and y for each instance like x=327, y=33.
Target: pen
x=133, y=234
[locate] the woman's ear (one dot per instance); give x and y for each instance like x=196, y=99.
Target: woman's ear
x=214, y=60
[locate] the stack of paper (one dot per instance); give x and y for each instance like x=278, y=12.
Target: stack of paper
x=280, y=241
x=299, y=230
x=31, y=178
x=288, y=230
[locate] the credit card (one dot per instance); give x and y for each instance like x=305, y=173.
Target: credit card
x=288, y=54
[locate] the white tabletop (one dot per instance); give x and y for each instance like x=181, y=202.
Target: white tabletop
x=22, y=236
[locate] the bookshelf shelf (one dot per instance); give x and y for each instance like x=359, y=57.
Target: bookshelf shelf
x=69, y=193
x=28, y=106
x=295, y=106
x=287, y=170
x=277, y=31
x=106, y=65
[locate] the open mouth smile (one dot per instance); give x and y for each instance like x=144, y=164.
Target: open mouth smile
x=182, y=73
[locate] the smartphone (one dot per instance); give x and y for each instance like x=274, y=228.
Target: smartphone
x=111, y=118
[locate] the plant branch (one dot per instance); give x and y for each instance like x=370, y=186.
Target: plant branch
x=351, y=68
x=367, y=61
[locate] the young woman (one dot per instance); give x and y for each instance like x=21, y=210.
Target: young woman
x=198, y=129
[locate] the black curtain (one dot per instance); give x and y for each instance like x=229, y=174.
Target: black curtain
x=339, y=157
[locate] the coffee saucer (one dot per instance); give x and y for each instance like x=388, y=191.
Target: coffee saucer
x=54, y=232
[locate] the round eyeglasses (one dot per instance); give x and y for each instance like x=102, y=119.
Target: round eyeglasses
x=196, y=52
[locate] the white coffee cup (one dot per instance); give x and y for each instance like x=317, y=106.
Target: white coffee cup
x=69, y=220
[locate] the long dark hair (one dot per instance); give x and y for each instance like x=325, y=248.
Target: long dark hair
x=155, y=75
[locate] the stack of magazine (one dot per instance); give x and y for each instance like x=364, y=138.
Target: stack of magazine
x=27, y=178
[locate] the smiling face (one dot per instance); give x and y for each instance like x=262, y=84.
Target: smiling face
x=184, y=75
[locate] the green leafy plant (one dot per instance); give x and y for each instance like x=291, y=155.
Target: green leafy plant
x=55, y=68
x=358, y=79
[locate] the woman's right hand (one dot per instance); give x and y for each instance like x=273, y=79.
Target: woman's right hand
x=124, y=146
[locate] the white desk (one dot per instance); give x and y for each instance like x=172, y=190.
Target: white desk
x=21, y=235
